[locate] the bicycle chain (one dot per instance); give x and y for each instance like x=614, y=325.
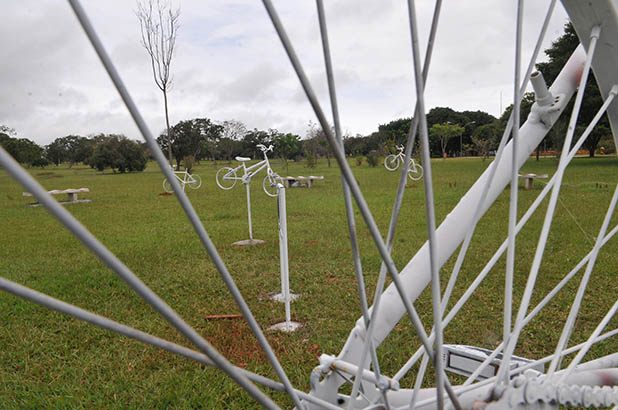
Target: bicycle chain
x=530, y=391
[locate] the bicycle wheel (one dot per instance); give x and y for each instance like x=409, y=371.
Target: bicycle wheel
x=226, y=178
x=196, y=181
x=391, y=162
x=358, y=360
x=167, y=187
x=415, y=172
x=269, y=184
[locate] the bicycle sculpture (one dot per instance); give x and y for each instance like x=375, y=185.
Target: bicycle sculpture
x=227, y=177
x=184, y=178
x=496, y=379
x=392, y=162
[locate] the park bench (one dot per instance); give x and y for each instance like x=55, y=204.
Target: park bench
x=300, y=181
x=71, y=195
x=529, y=178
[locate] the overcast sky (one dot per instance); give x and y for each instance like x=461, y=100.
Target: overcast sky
x=229, y=63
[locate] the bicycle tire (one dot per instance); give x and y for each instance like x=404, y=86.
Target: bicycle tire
x=391, y=162
x=226, y=178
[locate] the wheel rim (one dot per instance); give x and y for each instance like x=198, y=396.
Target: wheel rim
x=604, y=233
x=226, y=178
x=270, y=184
x=391, y=162
x=415, y=172
x=167, y=187
x=196, y=183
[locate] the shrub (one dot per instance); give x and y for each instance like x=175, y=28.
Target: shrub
x=312, y=161
x=359, y=161
x=189, y=161
x=373, y=158
x=118, y=153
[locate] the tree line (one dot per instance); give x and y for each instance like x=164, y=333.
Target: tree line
x=451, y=133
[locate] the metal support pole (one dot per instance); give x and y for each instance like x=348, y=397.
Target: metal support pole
x=250, y=241
x=283, y=251
x=285, y=295
x=249, y=211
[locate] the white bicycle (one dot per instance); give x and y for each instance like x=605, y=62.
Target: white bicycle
x=184, y=178
x=495, y=378
x=393, y=161
x=227, y=177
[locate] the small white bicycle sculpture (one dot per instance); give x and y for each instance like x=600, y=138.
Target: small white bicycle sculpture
x=392, y=162
x=226, y=177
x=184, y=179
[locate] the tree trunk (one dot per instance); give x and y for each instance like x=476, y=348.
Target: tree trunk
x=169, y=130
x=537, y=154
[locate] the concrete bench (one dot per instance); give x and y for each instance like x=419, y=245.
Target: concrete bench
x=71, y=195
x=300, y=181
x=529, y=178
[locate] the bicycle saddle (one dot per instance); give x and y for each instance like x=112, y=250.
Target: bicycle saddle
x=243, y=159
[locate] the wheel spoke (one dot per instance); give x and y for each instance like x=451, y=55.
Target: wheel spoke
x=109, y=259
x=358, y=269
x=523, y=307
x=570, y=323
x=183, y=199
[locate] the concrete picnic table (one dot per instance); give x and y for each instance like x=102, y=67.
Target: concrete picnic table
x=530, y=179
x=71, y=195
x=300, y=181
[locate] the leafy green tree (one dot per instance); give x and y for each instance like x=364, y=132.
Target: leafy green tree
x=252, y=139
x=443, y=133
x=232, y=132
x=286, y=147
x=7, y=131
x=22, y=150
x=316, y=143
x=118, y=153
x=486, y=138
x=188, y=138
x=558, y=54
x=72, y=149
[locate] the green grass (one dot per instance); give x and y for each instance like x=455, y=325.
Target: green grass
x=48, y=360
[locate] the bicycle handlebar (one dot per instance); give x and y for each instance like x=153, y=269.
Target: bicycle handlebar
x=264, y=149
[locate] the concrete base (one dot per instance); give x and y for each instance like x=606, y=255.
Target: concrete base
x=279, y=297
x=78, y=201
x=249, y=242
x=286, y=326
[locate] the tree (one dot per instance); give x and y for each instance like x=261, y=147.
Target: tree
x=189, y=137
x=118, y=153
x=286, y=146
x=72, y=148
x=159, y=25
x=558, y=54
x=231, y=133
x=444, y=132
x=251, y=140
x=7, y=131
x=316, y=143
x=22, y=150
x=486, y=138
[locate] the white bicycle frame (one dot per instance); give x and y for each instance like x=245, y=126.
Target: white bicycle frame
x=401, y=156
x=250, y=171
x=185, y=179
x=388, y=306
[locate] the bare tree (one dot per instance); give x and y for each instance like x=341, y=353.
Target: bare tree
x=159, y=25
x=232, y=132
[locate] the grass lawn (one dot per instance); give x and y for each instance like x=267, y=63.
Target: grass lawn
x=48, y=360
